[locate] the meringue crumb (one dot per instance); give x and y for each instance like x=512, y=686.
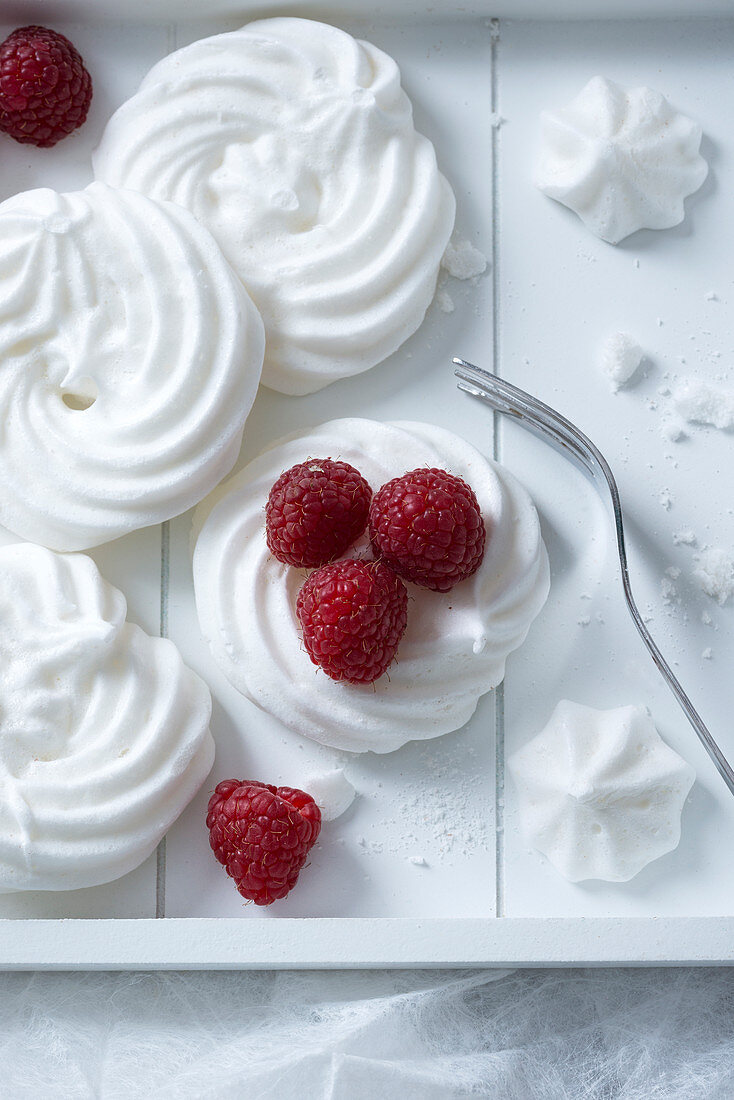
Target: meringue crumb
x=711, y=296
x=619, y=357
x=706, y=618
x=673, y=431
x=332, y=792
x=666, y=499
x=715, y=574
x=462, y=260
x=703, y=403
x=418, y=861
x=584, y=620
x=444, y=301
x=685, y=538
x=707, y=653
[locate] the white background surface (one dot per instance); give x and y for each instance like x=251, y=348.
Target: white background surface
x=559, y=292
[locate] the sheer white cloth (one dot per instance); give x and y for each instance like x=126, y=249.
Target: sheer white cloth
x=523, y=1035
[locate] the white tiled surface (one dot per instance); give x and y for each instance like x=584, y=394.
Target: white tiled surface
x=560, y=291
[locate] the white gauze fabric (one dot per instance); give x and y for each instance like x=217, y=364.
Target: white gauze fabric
x=408, y=1035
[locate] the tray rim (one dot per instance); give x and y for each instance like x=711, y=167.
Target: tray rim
x=356, y=943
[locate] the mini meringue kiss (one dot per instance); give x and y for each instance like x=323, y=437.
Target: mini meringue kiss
x=621, y=159
x=599, y=792
x=294, y=144
x=130, y=354
x=105, y=733
x=456, y=643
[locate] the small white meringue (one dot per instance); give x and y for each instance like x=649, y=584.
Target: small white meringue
x=599, y=792
x=622, y=159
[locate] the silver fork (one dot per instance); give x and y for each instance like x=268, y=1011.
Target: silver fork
x=565, y=437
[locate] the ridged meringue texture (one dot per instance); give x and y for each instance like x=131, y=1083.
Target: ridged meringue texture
x=599, y=792
x=456, y=643
x=131, y=356
x=105, y=733
x=294, y=144
x=621, y=159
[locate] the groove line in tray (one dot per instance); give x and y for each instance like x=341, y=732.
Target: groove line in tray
x=499, y=695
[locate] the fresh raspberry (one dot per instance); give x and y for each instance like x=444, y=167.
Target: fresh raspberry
x=353, y=615
x=315, y=511
x=262, y=834
x=45, y=90
x=427, y=526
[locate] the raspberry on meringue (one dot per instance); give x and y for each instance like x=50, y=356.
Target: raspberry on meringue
x=455, y=644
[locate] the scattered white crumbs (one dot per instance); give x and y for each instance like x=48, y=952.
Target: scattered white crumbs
x=666, y=499
x=462, y=260
x=444, y=301
x=715, y=573
x=707, y=653
x=668, y=589
x=711, y=296
x=333, y=794
x=685, y=538
x=706, y=618
x=619, y=357
x=704, y=403
x=418, y=861
x=584, y=620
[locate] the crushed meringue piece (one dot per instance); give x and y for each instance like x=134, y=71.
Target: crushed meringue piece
x=704, y=403
x=619, y=357
x=331, y=791
x=462, y=260
x=715, y=573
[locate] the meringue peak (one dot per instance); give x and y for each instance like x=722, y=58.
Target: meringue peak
x=622, y=159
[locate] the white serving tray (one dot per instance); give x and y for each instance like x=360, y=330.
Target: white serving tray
x=551, y=294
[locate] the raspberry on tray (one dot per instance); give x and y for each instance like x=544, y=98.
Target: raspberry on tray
x=262, y=835
x=45, y=88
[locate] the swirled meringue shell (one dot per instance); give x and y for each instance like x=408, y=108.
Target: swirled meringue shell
x=130, y=355
x=294, y=144
x=104, y=732
x=456, y=643
x=621, y=159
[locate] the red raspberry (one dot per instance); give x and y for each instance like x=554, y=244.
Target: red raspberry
x=353, y=615
x=262, y=835
x=426, y=525
x=315, y=511
x=45, y=90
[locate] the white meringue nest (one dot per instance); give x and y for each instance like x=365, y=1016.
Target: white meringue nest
x=622, y=159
